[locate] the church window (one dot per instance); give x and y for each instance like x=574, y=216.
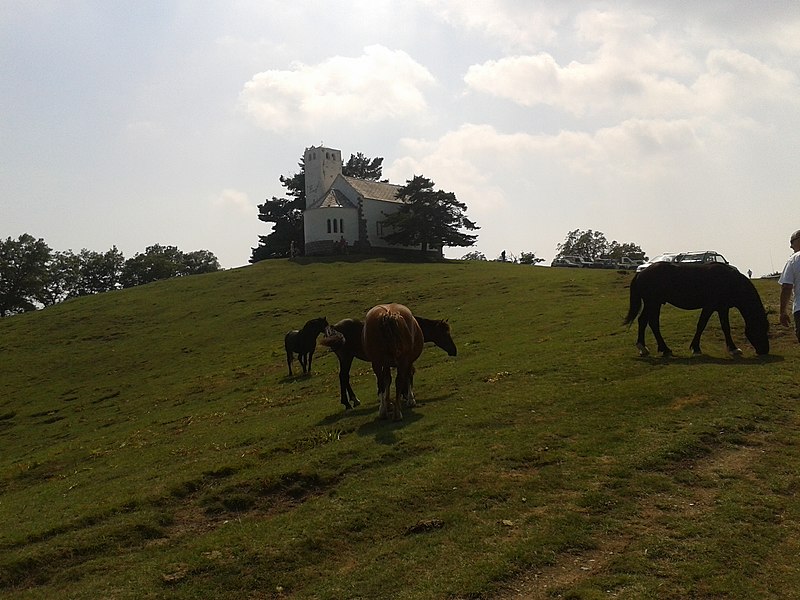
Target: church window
x=335, y=226
x=341, y=225
x=329, y=225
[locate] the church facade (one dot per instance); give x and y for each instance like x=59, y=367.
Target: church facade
x=343, y=212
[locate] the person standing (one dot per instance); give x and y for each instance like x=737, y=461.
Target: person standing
x=790, y=282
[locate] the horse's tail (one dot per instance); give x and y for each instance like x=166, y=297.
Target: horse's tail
x=635, y=301
x=397, y=333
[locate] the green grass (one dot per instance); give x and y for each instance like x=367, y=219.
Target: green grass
x=151, y=445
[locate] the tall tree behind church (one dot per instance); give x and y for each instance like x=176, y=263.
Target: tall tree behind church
x=287, y=213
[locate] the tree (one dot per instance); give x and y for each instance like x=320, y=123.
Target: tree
x=428, y=218
x=23, y=273
x=100, y=271
x=71, y=275
x=617, y=251
x=286, y=214
x=474, y=255
x=362, y=167
x=588, y=244
x=163, y=262
x=593, y=245
x=63, y=278
x=529, y=258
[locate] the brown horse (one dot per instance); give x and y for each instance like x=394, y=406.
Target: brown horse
x=392, y=338
x=345, y=339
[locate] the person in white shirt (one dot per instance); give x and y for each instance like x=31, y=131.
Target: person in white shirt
x=790, y=282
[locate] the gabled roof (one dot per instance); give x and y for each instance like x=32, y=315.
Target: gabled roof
x=374, y=190
x=334, y=199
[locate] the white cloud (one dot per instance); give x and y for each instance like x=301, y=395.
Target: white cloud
x=235, y=201
x=630, y=71
x=520, y=25
x=379, y=85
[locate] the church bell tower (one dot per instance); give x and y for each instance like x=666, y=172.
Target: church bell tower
x=322, y=165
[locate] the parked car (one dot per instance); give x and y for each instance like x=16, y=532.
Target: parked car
x=703, y=256
x=666, y=257
x=604, y=263
x=699, y=257
x=567, y=261
x=626, y=262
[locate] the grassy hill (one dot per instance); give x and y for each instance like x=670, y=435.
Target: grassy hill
x=152, y=445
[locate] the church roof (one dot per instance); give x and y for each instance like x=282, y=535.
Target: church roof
x=374, y=190
x=334, y=199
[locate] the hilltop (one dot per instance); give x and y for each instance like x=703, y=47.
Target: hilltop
x=153, y=446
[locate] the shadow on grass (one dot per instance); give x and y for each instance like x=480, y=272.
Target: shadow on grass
x=704, y=359
x=383, y=430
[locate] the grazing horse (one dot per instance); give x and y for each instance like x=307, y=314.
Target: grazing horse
x=711, y=287
x=392, y=338
x=345, y=339
x=303, y=343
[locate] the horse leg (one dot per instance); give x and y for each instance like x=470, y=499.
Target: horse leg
x=309, y=356
x=655, y=326
x=289, y=361
x=705, y=315
x=643, y=319
x=401, y=390
x=408, y=394
x=733, y=350
x=345, y=362
x=383, y=375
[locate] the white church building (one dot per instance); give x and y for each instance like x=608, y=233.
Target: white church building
x=343, y=210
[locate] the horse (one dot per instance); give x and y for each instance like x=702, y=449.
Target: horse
x=391, y=337
x=303, y=343
x=345, y=339
x=711, y=287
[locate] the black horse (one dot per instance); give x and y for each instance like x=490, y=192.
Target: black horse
x=711, y=287
x=345, y=339
x=303, y=343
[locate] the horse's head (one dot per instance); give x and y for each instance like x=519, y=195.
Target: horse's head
x=756, y=324
x=756, y=330
x=318, y=325
x=442, y=338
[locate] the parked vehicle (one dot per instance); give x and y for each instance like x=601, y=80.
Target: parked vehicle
x=567, y=261
x=698, y=257
x=626, y=262
x=666, y=257
x=703, y=256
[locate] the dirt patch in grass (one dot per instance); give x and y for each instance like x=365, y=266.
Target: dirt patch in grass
x=691, y=502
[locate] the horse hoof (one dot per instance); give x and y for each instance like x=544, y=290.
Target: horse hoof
x=697, y=352
x=356, y=402
x=643, y=350
x=736, y=352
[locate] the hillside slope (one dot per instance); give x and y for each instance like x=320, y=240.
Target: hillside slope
x=152, y=445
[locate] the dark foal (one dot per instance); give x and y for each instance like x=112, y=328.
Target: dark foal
x=303, y=343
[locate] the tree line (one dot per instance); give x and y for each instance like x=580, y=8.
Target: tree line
x=428, y=217
x=32, y=275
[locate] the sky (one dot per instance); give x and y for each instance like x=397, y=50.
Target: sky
x=671, y=124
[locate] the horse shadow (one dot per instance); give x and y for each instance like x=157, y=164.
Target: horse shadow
x=704, y=359
x=382, y=430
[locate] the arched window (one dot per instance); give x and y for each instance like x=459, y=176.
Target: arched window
x=329, y=225
x=335, y=226
x=341, y=225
